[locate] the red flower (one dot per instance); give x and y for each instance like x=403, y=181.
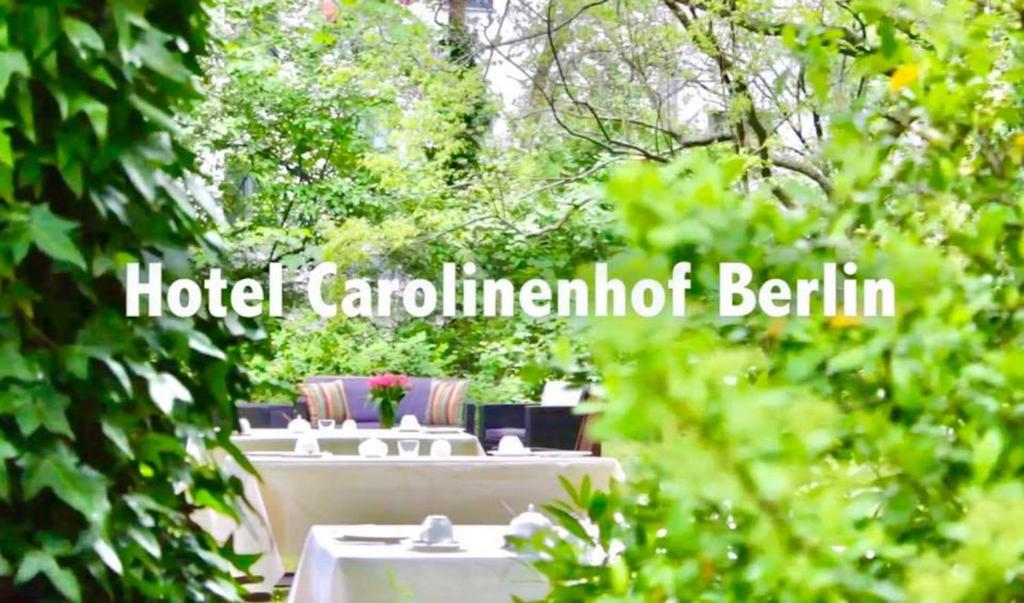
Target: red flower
x=388, y=380
x=330, y=10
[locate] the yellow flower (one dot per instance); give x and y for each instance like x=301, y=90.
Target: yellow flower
x=904, y=75
x=842, y=321
x=1017, y=147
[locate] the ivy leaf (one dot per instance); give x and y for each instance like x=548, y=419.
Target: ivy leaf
x=117, y=369
x=117, y=435
x=82, y=35
x=6, y=152
x=36, y=562
x=80, y=486
x=108, y=556
x=96, y=111
x=11, y=62
x=201, y=343
x=7, y=451
x=50, y=235
x=164, y=389
x=35, y=407
x=69, y=164
x=12, y=363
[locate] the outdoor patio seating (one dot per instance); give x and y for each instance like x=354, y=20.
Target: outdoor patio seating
x=418, y=401
x=551, y=423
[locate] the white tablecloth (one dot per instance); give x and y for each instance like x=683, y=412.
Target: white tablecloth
x=252, y=534
x=331, y=490
x=338, y=572
x=338, y=442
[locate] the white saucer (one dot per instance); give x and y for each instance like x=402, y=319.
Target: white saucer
x=520, y=452
x=427, y=547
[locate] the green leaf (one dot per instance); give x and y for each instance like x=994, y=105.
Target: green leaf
x=117, y=369
x=164, y=389
x=6, y=152
x=146, y=541
x=50, y=234
x=108, y=556
x=140, y=175
x=26, y=110
x=986, y=455
x=96, y=111
x=12, y=363
x=7, y=451
x=201, y=343
x=36, y=562
x=69, y=162
x=80, y=486
x=11, y=62
x=569, y=522
x=82, y=35
x=117, y=435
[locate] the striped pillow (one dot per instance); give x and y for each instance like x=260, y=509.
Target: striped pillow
x=446, y=401
x=326, y=400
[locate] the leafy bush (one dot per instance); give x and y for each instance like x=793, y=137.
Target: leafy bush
x=831, y=458
x=96, y=486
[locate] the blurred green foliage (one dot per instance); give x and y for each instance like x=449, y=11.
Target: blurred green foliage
x=830, y=459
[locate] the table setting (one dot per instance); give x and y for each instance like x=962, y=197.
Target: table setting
x=299, y=492
x=437, y=561
x=348, y=439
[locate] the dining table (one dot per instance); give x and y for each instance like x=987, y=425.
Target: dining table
x=374, y=564
x=300, y=491
x=341, y=441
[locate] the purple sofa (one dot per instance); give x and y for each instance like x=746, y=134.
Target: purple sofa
x=357, y=390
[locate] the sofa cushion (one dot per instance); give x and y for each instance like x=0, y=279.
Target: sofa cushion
x=326, y=400
x=446, y=401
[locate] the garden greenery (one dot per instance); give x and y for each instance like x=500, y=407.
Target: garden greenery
x=842, y=459
x=97, y=487
x=815, y=458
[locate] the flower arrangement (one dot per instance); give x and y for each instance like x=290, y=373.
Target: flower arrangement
x=386, y=393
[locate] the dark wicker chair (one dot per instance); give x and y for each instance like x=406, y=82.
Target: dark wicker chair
x=538, y=426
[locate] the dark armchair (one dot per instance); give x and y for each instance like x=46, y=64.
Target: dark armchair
x=537, y=425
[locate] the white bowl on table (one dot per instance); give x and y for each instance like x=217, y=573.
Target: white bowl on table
x=511, y=445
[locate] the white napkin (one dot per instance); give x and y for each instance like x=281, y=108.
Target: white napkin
x=307, y=443
x=299, y=425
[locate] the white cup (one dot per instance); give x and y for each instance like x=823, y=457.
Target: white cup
x=349, y=425
x=510, y=444
x=244, y=426
x=408, y=447
x=440, y=448
x=409, y=423
x=436, y=529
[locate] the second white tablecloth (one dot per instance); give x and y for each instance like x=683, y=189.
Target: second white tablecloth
x=302, y=492
x=341, y=572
